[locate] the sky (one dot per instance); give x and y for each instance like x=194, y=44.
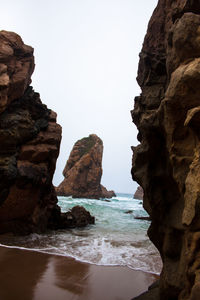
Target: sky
x=86, y=55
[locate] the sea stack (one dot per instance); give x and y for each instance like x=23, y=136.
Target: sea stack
x=167, y=162
x=83, y=171
x=29, y=143
x=139, y=193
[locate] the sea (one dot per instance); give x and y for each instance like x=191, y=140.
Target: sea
x=116, y=238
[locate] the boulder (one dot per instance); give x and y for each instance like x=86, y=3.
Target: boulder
x=78, y=216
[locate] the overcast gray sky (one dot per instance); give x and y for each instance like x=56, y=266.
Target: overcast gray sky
x=86, y=55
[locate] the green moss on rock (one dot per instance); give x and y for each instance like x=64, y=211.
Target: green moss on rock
x=85, y=145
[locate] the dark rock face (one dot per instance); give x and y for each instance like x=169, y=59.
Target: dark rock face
x=83, y=171
x=167, y=162
x=139, y=193
x=151, y=294
x=78, y=216
x=30, y=141
x=143, y=218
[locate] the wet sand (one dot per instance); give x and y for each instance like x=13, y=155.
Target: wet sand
x=30, y=275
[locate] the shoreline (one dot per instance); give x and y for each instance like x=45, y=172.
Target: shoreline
x=76, y=259
x=33, y=275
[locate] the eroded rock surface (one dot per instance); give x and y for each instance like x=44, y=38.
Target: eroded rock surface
x=29, y=143
x=83, y=171
x=167, y=162
x=16, y=67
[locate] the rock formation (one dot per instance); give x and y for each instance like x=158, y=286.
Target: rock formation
x=29, y=139
x=139, y=193
x=167, y=162
x=78, y=216
x=83, y=171
x=29, y=145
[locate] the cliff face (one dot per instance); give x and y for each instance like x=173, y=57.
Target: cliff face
x=167, y=162
x=83, y=171
x=29, y=143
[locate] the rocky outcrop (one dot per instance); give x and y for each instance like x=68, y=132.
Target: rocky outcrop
x=139, y=193
x=78, y=216
x=167, y=162
x=105, y=193
x=16, y=68
x=83, y=171
x=29, y=139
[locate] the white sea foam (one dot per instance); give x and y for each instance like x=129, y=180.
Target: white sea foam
x=116, y=238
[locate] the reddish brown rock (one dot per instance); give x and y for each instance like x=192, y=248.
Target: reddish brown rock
x=30, y=141
x=106, y=194
x=139, y=193
x=16, y=67
x=167, y=162
x=83, y=171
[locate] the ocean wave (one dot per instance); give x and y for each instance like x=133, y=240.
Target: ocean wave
x=116, y=238
x=134, y=261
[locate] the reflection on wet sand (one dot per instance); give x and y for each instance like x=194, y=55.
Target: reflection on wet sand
x=28, y=275
x=20, y=273
x=70, y=275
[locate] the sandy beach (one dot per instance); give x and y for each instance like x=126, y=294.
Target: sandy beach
x=30, y=275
